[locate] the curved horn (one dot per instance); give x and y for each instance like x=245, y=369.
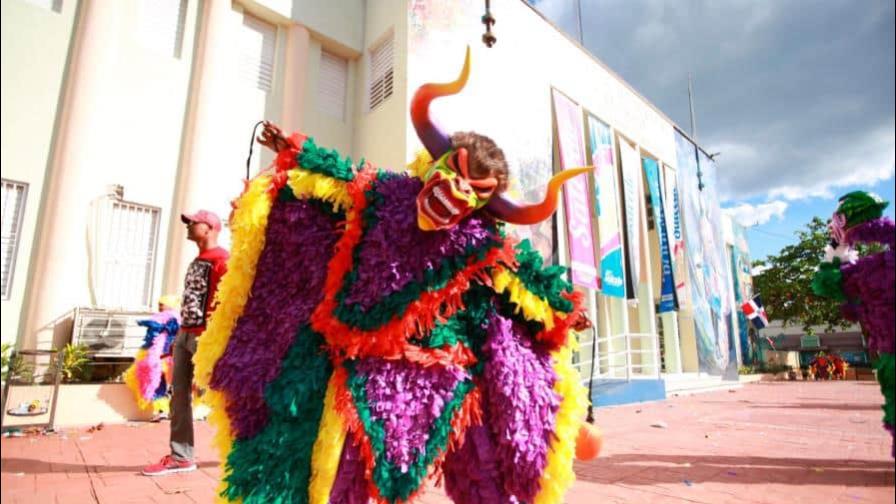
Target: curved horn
x=434, y=139
x=508, y=211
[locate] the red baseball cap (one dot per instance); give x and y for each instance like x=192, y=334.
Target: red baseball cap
x=204, y=216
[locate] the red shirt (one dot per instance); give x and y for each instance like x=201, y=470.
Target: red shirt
x=200, y=286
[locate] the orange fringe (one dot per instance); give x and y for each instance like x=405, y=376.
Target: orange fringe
x=390, y=340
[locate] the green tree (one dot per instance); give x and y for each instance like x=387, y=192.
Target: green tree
x=786, y=282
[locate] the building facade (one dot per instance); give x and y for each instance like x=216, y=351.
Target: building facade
x=118, y=116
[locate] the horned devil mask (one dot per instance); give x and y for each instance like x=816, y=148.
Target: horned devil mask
x=452, y=190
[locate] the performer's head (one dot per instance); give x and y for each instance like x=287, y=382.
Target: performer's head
x=461, y=181
x=855, y=208
x=203, y=227
x=469, y=171
x=169, y=302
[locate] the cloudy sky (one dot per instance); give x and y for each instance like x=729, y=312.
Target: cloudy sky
x=798, y=96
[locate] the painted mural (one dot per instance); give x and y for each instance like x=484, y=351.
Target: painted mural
x=706, y=258
x=743, y=287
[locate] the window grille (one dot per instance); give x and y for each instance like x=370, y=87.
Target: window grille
x=331, y=85
x=381, y=72
x=257, y=46
x=125, y=248
x=13, y=200
x=160, y=25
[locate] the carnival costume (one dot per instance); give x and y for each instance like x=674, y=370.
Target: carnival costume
x=376, y=329
x=865, y=284
x=150, y=374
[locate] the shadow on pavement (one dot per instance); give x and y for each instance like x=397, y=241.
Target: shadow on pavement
x=644, y=468
x=34, y=466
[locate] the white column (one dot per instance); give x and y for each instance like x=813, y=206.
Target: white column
x=209, y=75
x=60, y=280
x=298, y=41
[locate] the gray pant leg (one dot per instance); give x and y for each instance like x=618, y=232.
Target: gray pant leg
x=181, y=397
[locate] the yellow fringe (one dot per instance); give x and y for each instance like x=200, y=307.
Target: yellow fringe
x=248, y=230
x=417, y=167
x=558, y=474
x=530, y=305
x=306, y=184
x=162, y=404
x=327, y=449
x=130, y=379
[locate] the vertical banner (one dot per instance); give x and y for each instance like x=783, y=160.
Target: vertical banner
x=667, y=289
x=707, y=266
x=676, y=236
x=631, y=193
x=612, y=275
x=571, y=139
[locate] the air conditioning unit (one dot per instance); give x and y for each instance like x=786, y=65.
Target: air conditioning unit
x=109, y=333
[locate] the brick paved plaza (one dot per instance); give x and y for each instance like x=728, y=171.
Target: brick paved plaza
x=780, y=442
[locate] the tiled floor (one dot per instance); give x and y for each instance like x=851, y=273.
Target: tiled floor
x=764, y=443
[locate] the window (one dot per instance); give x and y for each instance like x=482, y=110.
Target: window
x=160, y=25
x=124, y=251
x=13, y=200
x=381, y=69
x=51, y=5
x=331, y=85
x=257, y=42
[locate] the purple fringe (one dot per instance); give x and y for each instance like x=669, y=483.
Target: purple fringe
x=471, y=472
x=395, y=251
x=407, y=398
x=288, y=286
x=870, y=281
x=520, y=404
x=350, y=486
x=881, y=231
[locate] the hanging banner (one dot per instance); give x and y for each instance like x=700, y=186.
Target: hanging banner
x=631, y=193
x=571, y=139
x=667, y=289
x=707, y=267
x=606, y=208
x=676, y=237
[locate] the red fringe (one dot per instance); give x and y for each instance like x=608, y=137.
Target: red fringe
x=345, y=406
x=556, y=337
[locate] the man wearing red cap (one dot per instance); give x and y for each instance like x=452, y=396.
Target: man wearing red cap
x=200, y=285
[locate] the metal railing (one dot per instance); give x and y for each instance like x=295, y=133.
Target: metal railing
x=628, y=360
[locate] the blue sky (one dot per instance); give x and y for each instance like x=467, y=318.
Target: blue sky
x=768, y=238
x=797, y=96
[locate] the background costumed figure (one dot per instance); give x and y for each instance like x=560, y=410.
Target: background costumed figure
x=376, y=329
x=150, y=375
x=866, y=285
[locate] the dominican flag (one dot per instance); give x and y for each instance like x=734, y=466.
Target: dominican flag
x=754, y=311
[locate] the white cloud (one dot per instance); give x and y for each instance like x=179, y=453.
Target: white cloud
x=819, y=170
x=758, y=270
x=748, y=215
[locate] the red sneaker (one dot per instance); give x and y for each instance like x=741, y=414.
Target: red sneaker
x=169, y=465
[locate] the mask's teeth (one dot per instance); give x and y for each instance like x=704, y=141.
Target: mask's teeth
x=449, y=204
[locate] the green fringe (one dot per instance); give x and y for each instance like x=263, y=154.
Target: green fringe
x=886, y=376
x=546, y=283
x=391, y=482
x=828, y=281
x=324, y=161
x=275, y=465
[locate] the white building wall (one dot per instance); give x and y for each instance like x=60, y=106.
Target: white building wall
x=379, y=134
x=35, y=43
